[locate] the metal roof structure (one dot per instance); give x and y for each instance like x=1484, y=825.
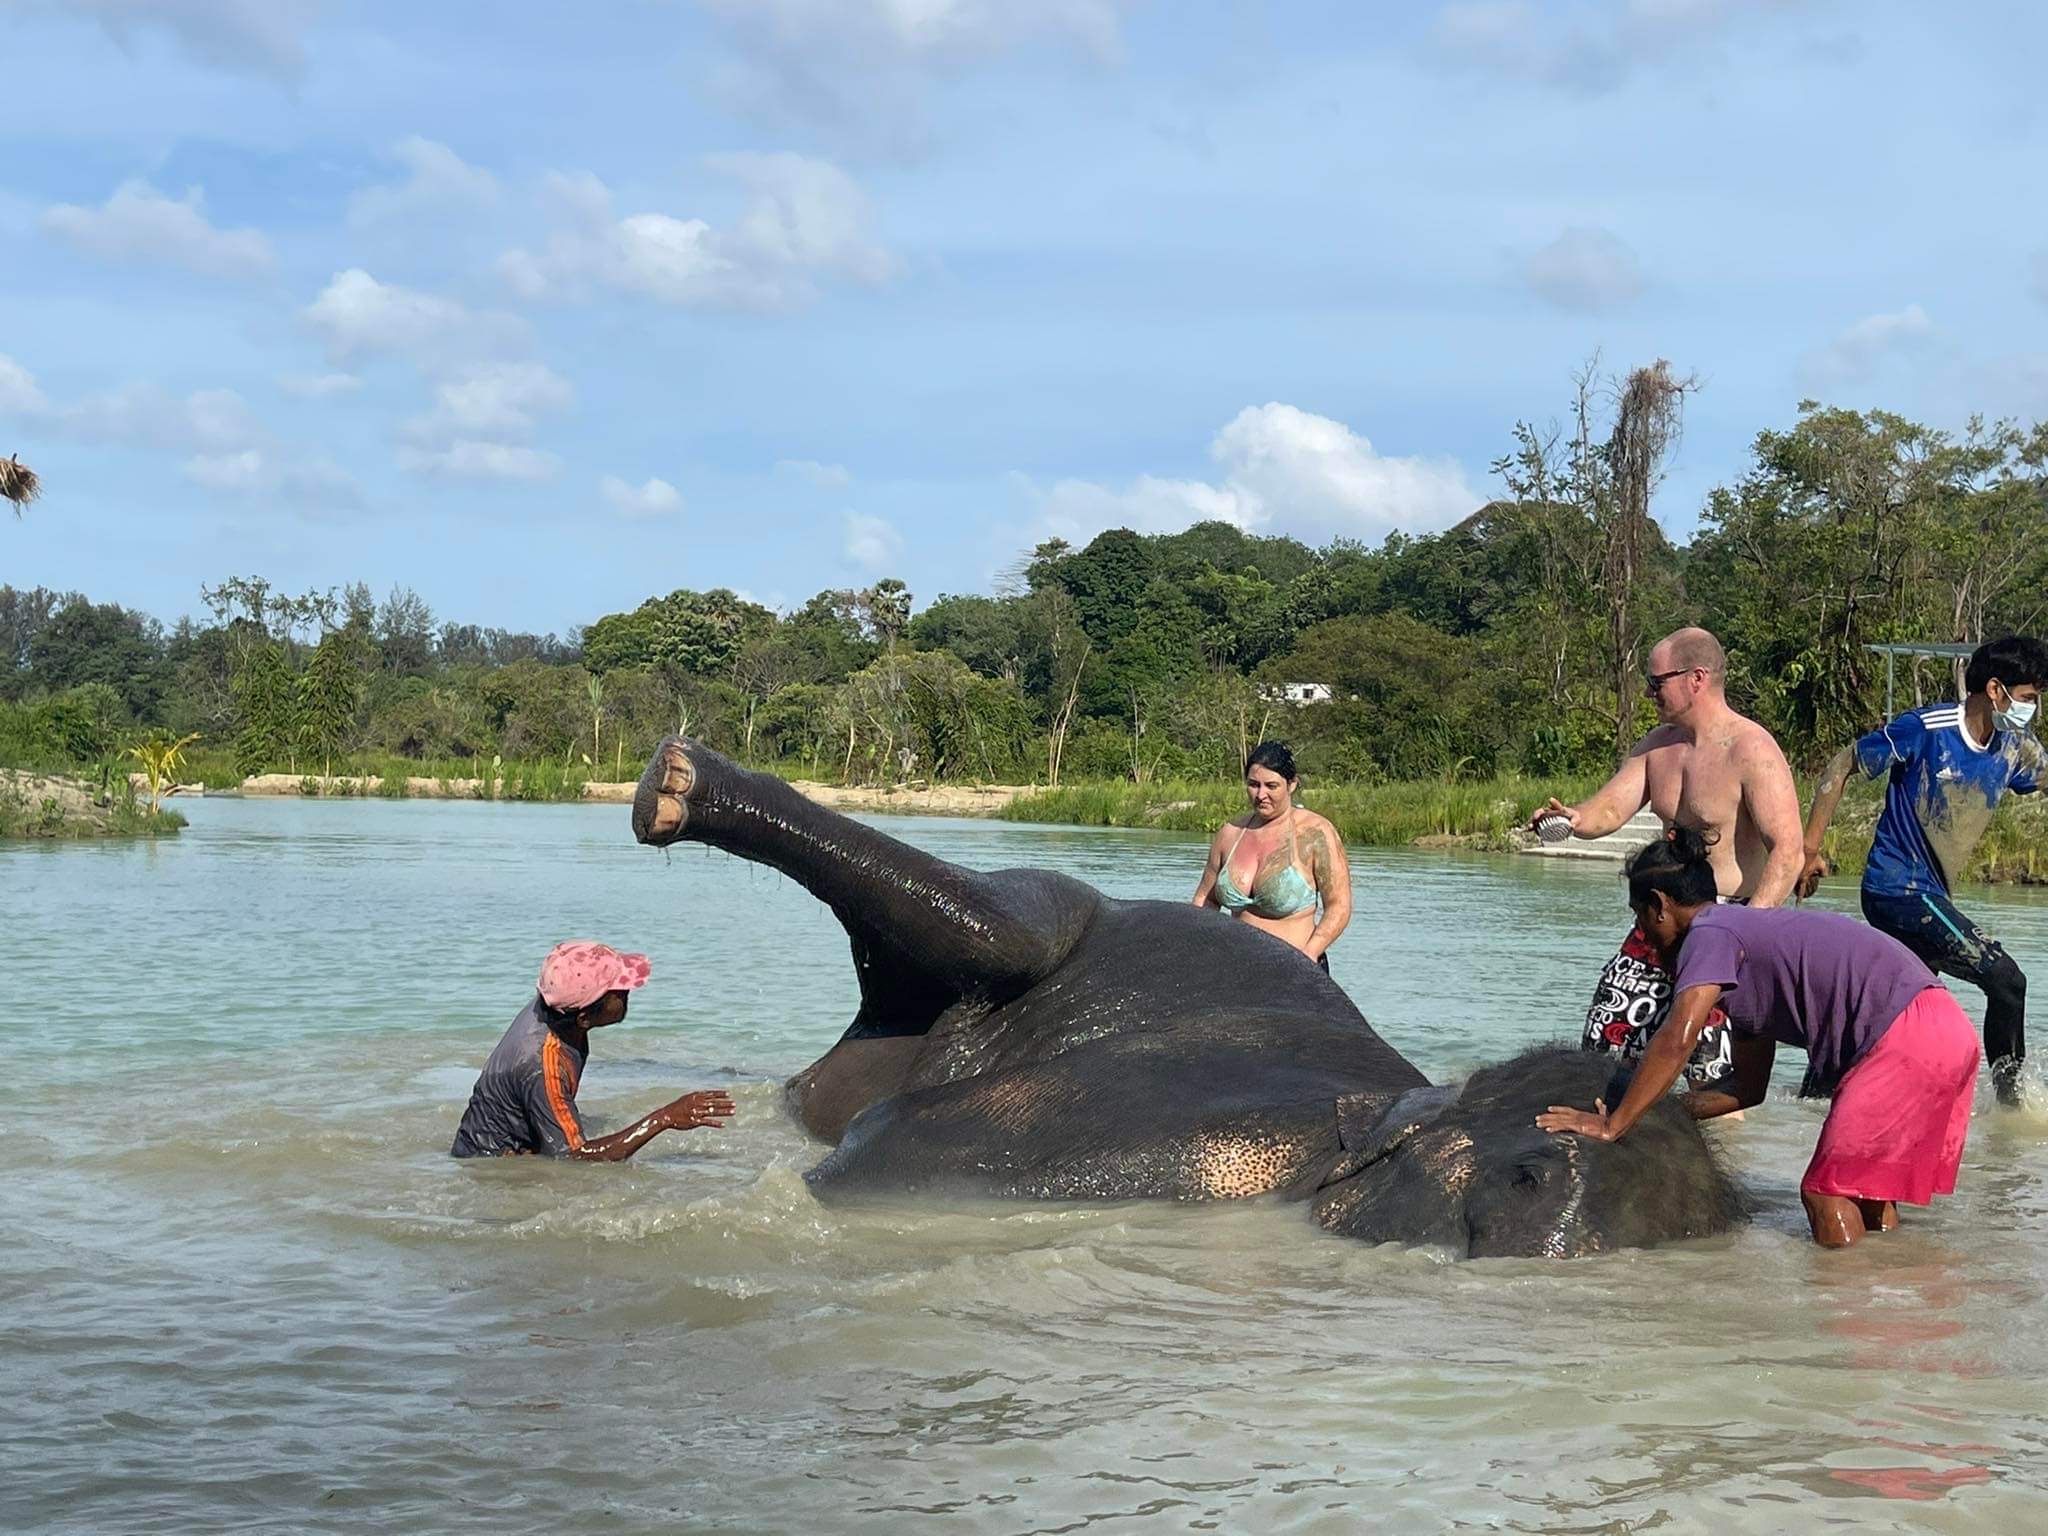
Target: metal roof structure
x=1892, y=652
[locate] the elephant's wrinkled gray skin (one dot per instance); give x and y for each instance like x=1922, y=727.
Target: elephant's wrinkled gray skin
x=1022, y=1035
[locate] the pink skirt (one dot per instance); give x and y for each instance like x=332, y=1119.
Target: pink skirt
x=1901, y=1113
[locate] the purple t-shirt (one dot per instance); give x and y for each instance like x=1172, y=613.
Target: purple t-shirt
x=1818, y=980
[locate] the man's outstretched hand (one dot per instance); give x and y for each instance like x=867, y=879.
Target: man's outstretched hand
x=1563, y=1119
x=708, y=1107
x=1817, y=866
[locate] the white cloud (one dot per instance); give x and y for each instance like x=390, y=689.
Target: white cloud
x=871, y=542
x=478, y=402
x=359, y=316
x=861, y=67
x=242, y=471
x=135, y=415
x=1592, y=46
x=146, y=416
x=826, y=477
x=1281, y=469
x=494, y=400
x=255, y=473
x=440, y=181
x=1584, y=271
x=469, y=460
x=1859, y=351
x=650, y=254
x=1077, y=510
x=657, y=498
x=19, y=395
x=138, y=223
x=2015, y=385
x=920, y=28
x=1490, y=32
x=805, y=215
x=227, y=450
x=804, y=219
x=319, y=386
x=254, y=36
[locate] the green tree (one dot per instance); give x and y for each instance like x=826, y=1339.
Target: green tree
x=80, y=725
x=266, y=705
x=699, y=633
x=885, y=607
x=1244, y=617
x=1226, y=547
x=1849, y=529
x=23, y=616
x=1410, y=701
x=330, y=690
x=802, y=721
x=827, y=638
x=405, y=633
x=621, y=640
x=102, y=643
x=1105, y=581
x=984, y=632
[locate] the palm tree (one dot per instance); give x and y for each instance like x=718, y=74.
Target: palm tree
x=161, y=757
x=18, y=483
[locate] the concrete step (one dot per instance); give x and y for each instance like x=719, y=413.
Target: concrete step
x=1643, y=827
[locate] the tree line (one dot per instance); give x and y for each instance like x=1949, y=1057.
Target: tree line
x=1509, y=643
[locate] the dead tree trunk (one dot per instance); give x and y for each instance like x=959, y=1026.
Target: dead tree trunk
x=1647, y=417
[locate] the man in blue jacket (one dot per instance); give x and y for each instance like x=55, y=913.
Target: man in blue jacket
x=1950, y=765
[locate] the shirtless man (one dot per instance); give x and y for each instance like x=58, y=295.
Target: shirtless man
x=1704, y=766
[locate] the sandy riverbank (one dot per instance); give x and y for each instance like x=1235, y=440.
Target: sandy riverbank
x=910, y=800
x=42, y=806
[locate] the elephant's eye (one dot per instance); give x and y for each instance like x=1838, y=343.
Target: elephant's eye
x=1527, y=1177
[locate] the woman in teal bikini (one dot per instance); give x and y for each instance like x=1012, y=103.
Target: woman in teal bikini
x=1271, y=866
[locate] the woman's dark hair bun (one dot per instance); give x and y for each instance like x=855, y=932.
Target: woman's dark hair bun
x=1274, y=755
x=1690, y=844
x=1678, y=865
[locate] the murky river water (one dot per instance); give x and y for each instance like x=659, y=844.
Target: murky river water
x=245, y=1287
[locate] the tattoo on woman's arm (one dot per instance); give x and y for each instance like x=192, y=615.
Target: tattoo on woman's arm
x=1318, y=856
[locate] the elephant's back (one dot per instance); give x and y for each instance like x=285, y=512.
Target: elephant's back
x=1181, y=981
x=1175, y=956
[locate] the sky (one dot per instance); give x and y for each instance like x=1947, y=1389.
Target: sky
x=541, y=310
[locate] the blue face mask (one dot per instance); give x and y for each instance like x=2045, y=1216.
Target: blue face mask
x=2017, y=715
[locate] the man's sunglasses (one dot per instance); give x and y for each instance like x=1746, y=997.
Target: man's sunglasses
x=1655, y=681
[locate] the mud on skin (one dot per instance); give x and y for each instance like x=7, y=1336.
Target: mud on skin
x=1020, y=1035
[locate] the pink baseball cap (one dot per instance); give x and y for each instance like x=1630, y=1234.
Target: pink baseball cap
x=577, y=973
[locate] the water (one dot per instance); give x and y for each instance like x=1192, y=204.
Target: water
x=245, y=1286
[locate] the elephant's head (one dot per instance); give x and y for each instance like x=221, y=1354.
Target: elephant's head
x=1467, y=1169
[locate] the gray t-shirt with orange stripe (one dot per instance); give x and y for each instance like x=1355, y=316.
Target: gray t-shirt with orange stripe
x=525, y=1099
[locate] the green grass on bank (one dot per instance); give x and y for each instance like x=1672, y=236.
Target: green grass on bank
x=1484, y=814
x=454, y=777
x=1480, y=814
x=27, y=815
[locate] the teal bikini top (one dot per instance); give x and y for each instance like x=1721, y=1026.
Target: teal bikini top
x=1283, y=895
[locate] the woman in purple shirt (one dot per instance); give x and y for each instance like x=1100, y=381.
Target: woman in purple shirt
x=1879, y=1032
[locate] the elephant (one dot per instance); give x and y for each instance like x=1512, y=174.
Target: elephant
x=1020, y=1035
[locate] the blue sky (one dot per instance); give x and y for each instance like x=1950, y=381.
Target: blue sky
x=542, y=309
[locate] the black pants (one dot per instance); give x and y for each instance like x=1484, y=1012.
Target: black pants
x=1928, y=923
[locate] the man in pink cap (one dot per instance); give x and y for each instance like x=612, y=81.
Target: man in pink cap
x=525, y=1099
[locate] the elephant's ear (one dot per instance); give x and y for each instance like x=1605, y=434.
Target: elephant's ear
x=1370, y=1125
